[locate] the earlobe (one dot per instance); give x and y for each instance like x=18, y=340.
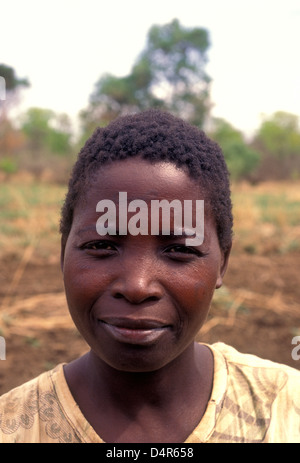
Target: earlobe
x=219, y=282
x=223, y=267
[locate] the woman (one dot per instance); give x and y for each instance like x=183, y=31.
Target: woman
x=139, y=294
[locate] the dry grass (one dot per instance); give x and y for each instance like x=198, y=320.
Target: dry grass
x=267, y=217
x=29, y=218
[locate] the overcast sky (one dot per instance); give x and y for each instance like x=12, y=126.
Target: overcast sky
x=64, y=46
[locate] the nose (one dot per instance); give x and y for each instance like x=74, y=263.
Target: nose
x=138, y=282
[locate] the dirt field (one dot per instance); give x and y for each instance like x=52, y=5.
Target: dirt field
x=257, y=311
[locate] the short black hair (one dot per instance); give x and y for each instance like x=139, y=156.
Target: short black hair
x=155, y=135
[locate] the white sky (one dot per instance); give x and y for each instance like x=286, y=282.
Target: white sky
x=64, y=46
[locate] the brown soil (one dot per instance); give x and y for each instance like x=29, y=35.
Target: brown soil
x=261, y=314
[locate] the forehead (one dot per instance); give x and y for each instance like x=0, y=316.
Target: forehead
x=166, y=197
x=125, y=182
x=136, y=176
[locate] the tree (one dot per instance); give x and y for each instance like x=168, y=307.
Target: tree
x=240, y=158
x=169, y=74
x=279, y=135
x=11, y=80
x=176, y=57
x=46, y=131
x=12, y=86
x=10, y=138
x=278, y=138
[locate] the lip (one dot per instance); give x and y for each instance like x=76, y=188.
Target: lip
x=131, y=331
x=133, y=323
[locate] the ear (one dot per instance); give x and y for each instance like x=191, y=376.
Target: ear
x=223, y=267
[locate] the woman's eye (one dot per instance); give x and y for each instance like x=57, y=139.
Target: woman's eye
x=181, y=249
x=99, y=246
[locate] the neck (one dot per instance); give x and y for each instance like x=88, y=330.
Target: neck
x=163, y=404
x=155, y=387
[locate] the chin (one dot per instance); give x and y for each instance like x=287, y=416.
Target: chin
x=136, y=360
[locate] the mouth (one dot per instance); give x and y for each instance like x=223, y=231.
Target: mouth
x=132, y=331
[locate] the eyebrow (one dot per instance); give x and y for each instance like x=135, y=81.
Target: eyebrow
x=170, y=234
x=174, y=234
x=86, y=229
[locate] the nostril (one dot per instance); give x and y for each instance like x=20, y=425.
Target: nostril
x=153, y=298
x=136, y=290
x=136, y=299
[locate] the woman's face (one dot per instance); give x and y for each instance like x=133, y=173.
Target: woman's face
x=139, y=301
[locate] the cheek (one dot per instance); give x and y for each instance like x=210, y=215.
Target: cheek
x=204, y=281
x=82, y=285
x=204, y=290
x=198, y=295
x=203, y=295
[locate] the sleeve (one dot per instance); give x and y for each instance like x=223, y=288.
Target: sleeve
x=285, y=414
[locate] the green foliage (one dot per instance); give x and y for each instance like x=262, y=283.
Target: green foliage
x=278, y=139
x=169, y=73
x=8, y=165
x=241, y=159
x=279, y=135
x=46, y=130
x=177, y=58
x=11, y=80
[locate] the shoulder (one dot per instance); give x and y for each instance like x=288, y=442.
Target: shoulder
x=260, y=395
x=32, y=411
x=238, y=359
x=19, y=407
x=22, y=396
x=257, y=370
